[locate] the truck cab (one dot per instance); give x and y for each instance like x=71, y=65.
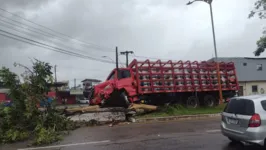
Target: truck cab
x=120, y=84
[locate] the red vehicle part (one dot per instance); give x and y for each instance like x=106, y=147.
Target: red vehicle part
x=114, y=86
x=158, y=77
x=161, y=77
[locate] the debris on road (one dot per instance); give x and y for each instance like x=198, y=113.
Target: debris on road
x=83, y=109
x=111, y=115
x=143, y=106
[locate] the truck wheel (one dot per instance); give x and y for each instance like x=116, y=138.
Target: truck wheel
x=209, y=101
x=192, y=102
x=125, y=99
x=103, y=103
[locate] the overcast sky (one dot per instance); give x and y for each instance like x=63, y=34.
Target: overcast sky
x=166, y=29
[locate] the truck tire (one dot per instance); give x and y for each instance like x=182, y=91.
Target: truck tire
x=103, y=103
x=209, y=101
x=124, y=97
x=192, y=102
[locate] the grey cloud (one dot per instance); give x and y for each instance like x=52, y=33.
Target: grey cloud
x=151, y=28
x=23, y=4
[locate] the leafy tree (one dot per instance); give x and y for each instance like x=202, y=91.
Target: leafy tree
x=260, y=11
x=23, y=118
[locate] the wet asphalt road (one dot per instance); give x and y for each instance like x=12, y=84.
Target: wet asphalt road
x=203, y=134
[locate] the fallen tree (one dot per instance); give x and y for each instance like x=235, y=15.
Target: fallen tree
x=145, y=107
x=22, y=119
x=96, y=108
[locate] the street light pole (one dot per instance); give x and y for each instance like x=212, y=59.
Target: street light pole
x=213, y=34
x=215, y=48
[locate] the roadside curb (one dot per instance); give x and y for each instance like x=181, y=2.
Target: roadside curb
x=171, y=118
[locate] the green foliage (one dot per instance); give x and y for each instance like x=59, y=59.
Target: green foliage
x=22, y=119
x=261, y=46
x=46, y=136
x=260, y=11
x=13, y=135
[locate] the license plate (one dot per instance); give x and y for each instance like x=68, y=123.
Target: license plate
x=232, y=121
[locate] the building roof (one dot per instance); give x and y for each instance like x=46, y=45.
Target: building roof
x=246, y=67
x=91, y=80
x=58, y=84
x=2, y=90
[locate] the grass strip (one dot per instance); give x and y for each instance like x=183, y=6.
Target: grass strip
x=176, y=110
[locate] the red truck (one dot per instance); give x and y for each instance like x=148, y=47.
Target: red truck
x=159, y=82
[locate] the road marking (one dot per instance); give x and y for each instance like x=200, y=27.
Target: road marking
x=66, y=145
x=213, y=131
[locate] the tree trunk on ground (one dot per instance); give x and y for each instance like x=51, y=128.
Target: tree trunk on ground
x=143, y=106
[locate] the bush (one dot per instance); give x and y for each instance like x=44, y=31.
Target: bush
x=13, y=135
x=46, y=136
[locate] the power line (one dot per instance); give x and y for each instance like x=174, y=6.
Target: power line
x=40, y=44
x=26, y=33
x=48, y=28
x=36, y=44
x=25, y=26
x=148, y=57
x=55, y=36
x=121, y=64
x=68, y=37
x=46, y=40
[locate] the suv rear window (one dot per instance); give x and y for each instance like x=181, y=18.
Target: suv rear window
x=263, y=104
x=240, y=106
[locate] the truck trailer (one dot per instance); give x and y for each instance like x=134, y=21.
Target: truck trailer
x=192, y=83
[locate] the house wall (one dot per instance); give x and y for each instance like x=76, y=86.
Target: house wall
x=71, y=99
x=2, y=97
x=247, y=87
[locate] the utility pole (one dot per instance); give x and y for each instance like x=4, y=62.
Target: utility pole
x=55, y=78
x=126, y=53
x=74, y=83
x=116, y=61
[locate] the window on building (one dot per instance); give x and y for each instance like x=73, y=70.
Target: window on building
x=259, y=67
x=254, y=88
x=241, y=91
x=244, y=64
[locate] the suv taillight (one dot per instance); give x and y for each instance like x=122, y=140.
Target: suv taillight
x=254, y=121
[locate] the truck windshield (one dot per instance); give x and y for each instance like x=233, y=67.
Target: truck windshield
x=112, y=76
x=124, y=74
